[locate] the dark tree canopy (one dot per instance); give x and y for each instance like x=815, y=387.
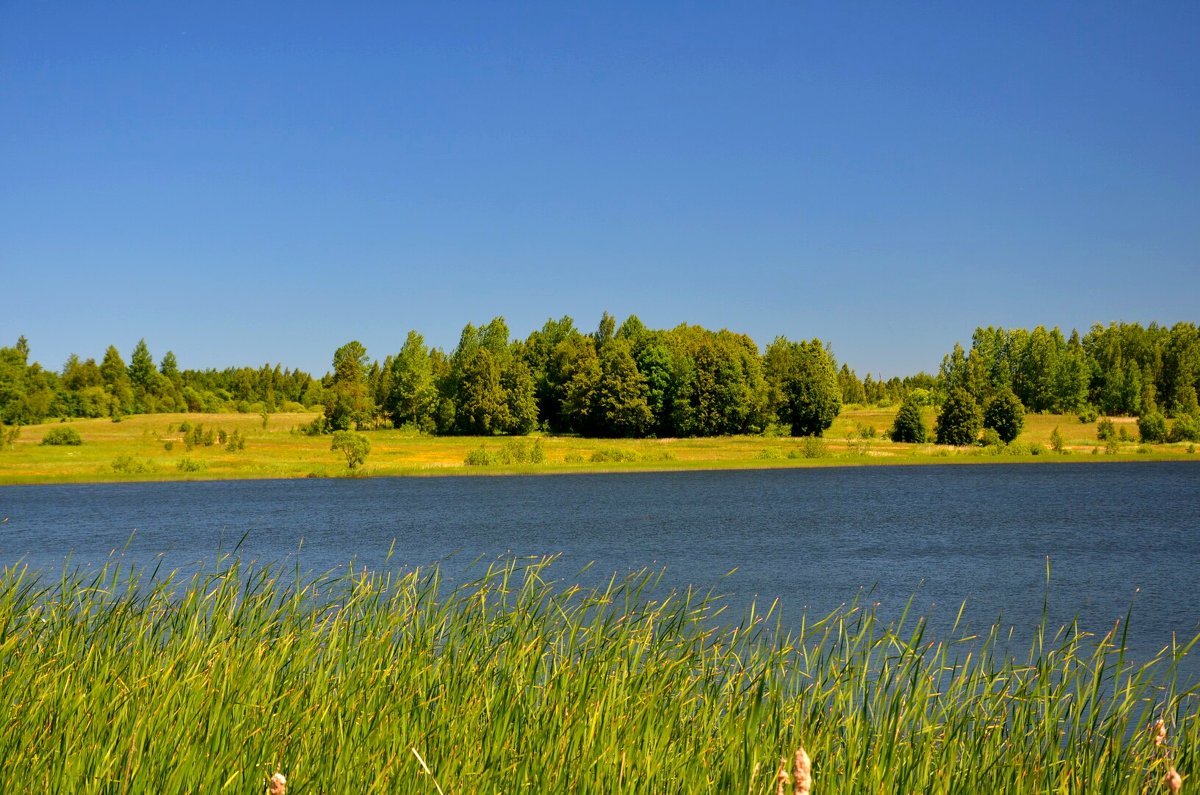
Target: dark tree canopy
x=1004, y=414
x=909, y=425
x=960, y=420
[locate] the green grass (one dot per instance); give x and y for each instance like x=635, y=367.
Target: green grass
x=137, y=449
x=362, y=682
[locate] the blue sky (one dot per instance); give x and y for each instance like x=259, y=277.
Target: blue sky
x=245, y=183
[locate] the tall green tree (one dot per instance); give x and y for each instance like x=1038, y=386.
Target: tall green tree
x=621, y=397
x=413, y=397
x=960, y=419
x=350, y=402
x=116, y=382
x=909, y=424
x=807, y=385
x=1004, y=414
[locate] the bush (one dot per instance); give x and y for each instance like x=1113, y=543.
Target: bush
x=810, y=447
x=1056, y=440
x=1105, y=429
x=188, y=465
x=480, y=457
x=991, y=438
x=1152, y=427
x=1112, y=446
x=128, y=465
x=1185, y=429
x=8, y=436
x=1087, y=414
x=960, y=419
x=64, y=434
x=613, y=455
x=1004, y=414
x=908, y=425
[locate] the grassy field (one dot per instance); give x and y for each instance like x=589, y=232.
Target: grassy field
x=518, y=683
x=152, y=447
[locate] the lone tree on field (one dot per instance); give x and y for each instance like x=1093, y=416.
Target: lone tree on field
x=1004, y=414
x=959, y=422
x=353, y=445
x=909, y=425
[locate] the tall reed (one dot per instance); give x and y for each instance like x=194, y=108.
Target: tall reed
x=395, y=682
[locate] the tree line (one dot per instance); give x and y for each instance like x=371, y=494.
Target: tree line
x=629, y=381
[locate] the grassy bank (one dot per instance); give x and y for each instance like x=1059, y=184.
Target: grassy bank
x=155, y=447
x=368, y=683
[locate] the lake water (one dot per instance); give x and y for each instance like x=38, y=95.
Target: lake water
x=1116, y=535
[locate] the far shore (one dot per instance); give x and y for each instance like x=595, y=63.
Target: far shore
x=155, y=447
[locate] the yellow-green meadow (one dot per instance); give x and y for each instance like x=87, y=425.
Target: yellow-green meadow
x=169, y=447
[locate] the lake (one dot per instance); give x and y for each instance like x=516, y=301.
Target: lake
x=1115, y=535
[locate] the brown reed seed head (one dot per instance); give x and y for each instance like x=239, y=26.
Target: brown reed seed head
x=277, y=785
x=801, y=773
x=781, y=778
x=1173, y=780
x=1160, y=732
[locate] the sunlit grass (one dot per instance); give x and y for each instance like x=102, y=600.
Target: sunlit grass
x=369, y=682
x=138, y=445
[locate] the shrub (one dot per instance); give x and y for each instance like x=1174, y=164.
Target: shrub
x=188, y=465
x=1105, y=429
x=8, y=436
x=810, y=447
x=769, y=453
x=64, y=434
x=1152, y=427
x=128, y=465
x=1056, y=440
x=1004, y=414
x=235, y=441
x=1185, y=429
x=991, y=438
x=960, y=420
x=613, y=454
x=909, y=426
x=480, y=457
x=1112, y=446
x=1087, y=414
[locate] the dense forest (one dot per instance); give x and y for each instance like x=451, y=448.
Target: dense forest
x=627, y=381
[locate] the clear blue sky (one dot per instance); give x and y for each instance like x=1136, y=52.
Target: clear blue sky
x=262, y=182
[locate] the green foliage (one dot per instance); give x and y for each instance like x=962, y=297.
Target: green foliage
x=1105, y=429
x=318, y=427
x=1004, y=414
x=960, y=419
x=513, y=451
x=62, y=435
x=991, y=438
x=1152, y=427
x=810, y=447
x=128, y=465
x=1056, y=441
x=354, y=446
x=9, y=436
x=908, y=424
x=1185, y=429
x=532, y=674
x=805, y=378
x=613, y=455
x=1087, y=414
x=190, y=465
x=350, y=403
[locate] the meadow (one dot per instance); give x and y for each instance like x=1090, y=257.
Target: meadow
x=155, y=447
x=121, y=681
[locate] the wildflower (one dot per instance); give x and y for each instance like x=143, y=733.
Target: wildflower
x=277, y=785
x=1173, y=780
x=801, y=773
x=1160, y=732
